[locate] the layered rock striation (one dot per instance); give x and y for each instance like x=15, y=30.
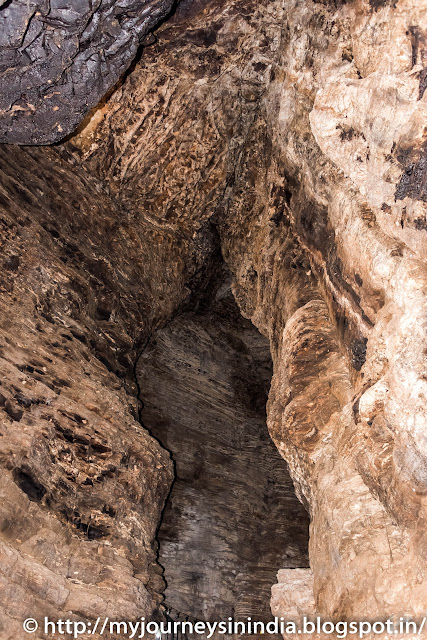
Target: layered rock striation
x=83, y=485
x=300, y=129
x=293, y=137
x=232, y=516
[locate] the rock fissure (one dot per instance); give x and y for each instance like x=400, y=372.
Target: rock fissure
x=204, y=379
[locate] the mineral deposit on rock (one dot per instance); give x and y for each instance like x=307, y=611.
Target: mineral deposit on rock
x=279, y=148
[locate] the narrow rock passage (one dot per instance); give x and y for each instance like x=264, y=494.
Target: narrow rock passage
x=232, y=518
x=290, y=138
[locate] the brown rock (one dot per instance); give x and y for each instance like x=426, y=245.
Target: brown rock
x=291, y=139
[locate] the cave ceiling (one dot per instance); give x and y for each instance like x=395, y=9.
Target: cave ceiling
x=59, y=58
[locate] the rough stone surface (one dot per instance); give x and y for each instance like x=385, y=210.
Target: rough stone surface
x=293, y=136
x=300, y=129
x=82, y=483
x=232, y=516
x=293, y=593
x=59, y=58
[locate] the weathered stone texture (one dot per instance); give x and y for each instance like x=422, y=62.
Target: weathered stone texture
x=294, y=594
x=311, y=116
x=83, y=484
x=296, y=134
x=232, y=516
x=59, y=58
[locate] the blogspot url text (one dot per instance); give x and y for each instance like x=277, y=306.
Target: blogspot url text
x=141, y=628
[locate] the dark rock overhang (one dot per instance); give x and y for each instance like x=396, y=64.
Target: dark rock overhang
x=58, y=58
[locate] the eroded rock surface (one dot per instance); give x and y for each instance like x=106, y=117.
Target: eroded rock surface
x=59, y=58
x=82, y=483
x=296, y=133
x=301, y=129
x=232, y=516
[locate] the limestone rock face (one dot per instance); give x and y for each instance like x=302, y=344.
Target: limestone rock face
x=293, y=593
x=232, y=516
x=300, y=130
x=291, y=138
x=82, y=483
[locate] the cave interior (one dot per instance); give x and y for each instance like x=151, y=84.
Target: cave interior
x=212, y=310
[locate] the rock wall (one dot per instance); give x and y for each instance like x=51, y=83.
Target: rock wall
x=82, y=483
x=295, y=132
x=300, y=130
x=58, y=59
x=232, y=517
